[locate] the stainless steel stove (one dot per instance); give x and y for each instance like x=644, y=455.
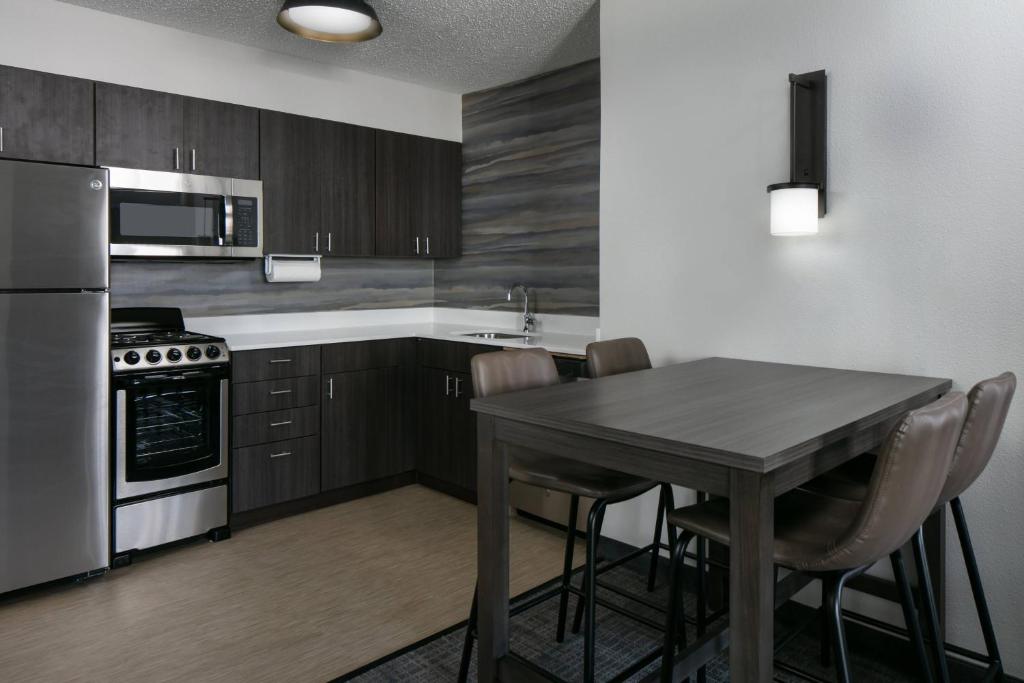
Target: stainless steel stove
x=171, y=414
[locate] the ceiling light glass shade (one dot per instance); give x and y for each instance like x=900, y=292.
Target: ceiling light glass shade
x=794, y=209
x=330, y=21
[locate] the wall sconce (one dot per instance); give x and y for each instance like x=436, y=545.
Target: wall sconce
x=797, y=205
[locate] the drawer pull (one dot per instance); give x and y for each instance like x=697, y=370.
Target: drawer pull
x=281, y=454
x=280, y=424
x=279, y=392
x=280, y=360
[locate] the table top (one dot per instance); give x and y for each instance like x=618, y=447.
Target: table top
x=745, y=414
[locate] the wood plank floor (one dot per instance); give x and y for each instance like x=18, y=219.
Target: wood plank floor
x=305, y=598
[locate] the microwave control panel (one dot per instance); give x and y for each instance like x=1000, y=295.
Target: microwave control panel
x=246, y=222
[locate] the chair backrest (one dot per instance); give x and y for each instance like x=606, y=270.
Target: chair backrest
x=616, y=356
x=909, y=474
x=987, y=405
x=504, y=371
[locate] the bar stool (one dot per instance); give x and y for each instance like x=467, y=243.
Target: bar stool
x=988, y=403
x=835, y=539
x=519, y=370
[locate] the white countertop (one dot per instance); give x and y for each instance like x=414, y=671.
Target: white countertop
x=556, y=333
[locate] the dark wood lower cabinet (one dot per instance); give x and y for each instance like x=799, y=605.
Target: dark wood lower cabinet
x=275, y=472
x=447, y=430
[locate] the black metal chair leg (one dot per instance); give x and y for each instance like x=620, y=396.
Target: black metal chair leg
x=825, y=635
x=910, y=615
x=594, y=521
x=467, y=646
x=577, y=618
x=570, y=544
x=931, y=614
x=833, y=597
x=673, y=620
x=974, y=576
x=702, y=603
x=652, y=574
x=670, y=505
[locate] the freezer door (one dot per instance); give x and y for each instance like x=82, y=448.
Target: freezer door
x=54, y=227
x=54, y=436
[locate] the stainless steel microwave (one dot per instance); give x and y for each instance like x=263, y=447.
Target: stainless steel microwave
x=154, y=213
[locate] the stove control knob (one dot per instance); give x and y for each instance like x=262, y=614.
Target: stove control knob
x=153, y=356
x=212, y=351
x=174, y=355
x=194, y=353
x=131, y=358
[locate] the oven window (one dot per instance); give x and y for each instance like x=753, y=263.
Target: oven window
x=173, y=429
x=146, y=217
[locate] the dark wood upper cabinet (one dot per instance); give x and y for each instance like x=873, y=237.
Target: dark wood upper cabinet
x=221, y=139
x=158, y=131
x=292, y=178
x=397, y=187
x=348, y=189
x=138, y=128
x=45, y=117
x=440, y=202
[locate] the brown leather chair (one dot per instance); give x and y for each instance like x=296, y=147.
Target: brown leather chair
x=988, y=403
x=505, y=371
x=837, y=539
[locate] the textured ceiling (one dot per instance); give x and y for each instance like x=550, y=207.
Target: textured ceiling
x=455, y=45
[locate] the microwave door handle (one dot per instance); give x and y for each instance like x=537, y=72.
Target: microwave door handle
x=228, y=235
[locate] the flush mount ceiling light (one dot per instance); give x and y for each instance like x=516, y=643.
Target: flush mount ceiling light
x=797, y=205
x=330, y=21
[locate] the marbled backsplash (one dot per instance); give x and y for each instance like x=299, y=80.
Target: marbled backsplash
x=531, y=161
x=203, y=288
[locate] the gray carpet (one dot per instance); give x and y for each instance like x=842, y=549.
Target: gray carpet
x=622, y=641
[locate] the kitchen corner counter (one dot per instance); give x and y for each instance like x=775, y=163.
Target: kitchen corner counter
x=556, y=333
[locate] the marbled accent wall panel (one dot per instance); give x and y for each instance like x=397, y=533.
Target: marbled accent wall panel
x=531, y=159
x=202, y=288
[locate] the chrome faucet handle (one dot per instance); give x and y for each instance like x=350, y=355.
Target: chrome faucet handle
x=529, y=322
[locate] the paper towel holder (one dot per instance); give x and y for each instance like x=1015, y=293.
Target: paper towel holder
x=292, y=267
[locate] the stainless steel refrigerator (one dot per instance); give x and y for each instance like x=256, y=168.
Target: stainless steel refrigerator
x=54, y=372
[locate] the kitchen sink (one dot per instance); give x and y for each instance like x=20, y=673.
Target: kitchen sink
x=495, y=335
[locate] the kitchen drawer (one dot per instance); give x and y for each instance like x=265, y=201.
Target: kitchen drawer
x=291, y=361
x=454, y=356
x=274, y=473
x=276, y=426
x=368, y=355
x=274, y=394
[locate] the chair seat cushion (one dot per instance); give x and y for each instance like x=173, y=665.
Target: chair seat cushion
x=807, y=525
x=576, y=478
x=849, y=481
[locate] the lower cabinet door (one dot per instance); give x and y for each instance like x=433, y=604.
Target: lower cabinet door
x=362, y=427
x=447, y=430
x=275, y=473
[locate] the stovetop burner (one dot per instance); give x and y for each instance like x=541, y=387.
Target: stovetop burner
x=145, y=339
x=122, y=339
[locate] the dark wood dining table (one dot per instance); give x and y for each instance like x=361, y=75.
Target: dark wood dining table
x=746, y=430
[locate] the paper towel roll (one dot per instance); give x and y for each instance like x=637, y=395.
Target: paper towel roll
x=286, y=268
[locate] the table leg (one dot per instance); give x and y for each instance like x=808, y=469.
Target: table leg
x=492, y=549
x=751, y=576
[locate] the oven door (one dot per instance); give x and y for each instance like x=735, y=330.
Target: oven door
x=171, y=431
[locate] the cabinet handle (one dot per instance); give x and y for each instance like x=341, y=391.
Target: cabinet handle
x=428, y=246
x=330, y=388
x=447, y=385
x=193, y=158
x=177, y=159
x=316, y=242
x=280, y=424
x=329, y=242
x=281, y=454
x=280, y=392
x=458, y=387
x=281, y=360
x=417, y=245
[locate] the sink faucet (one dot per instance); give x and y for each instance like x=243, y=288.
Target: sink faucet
x=528, y=320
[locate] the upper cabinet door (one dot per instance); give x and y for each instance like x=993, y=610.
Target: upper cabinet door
x=221, y=139
x=397, y=188
x=440, y=200
x=291, y=167
x=138, y=128
x=45, y=117
x=348, y=190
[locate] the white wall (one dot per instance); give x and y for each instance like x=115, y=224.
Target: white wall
x=919, y=267
x=59, y=38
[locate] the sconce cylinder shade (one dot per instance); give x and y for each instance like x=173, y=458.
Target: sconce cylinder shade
x=794, y=209
x=330, y=21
